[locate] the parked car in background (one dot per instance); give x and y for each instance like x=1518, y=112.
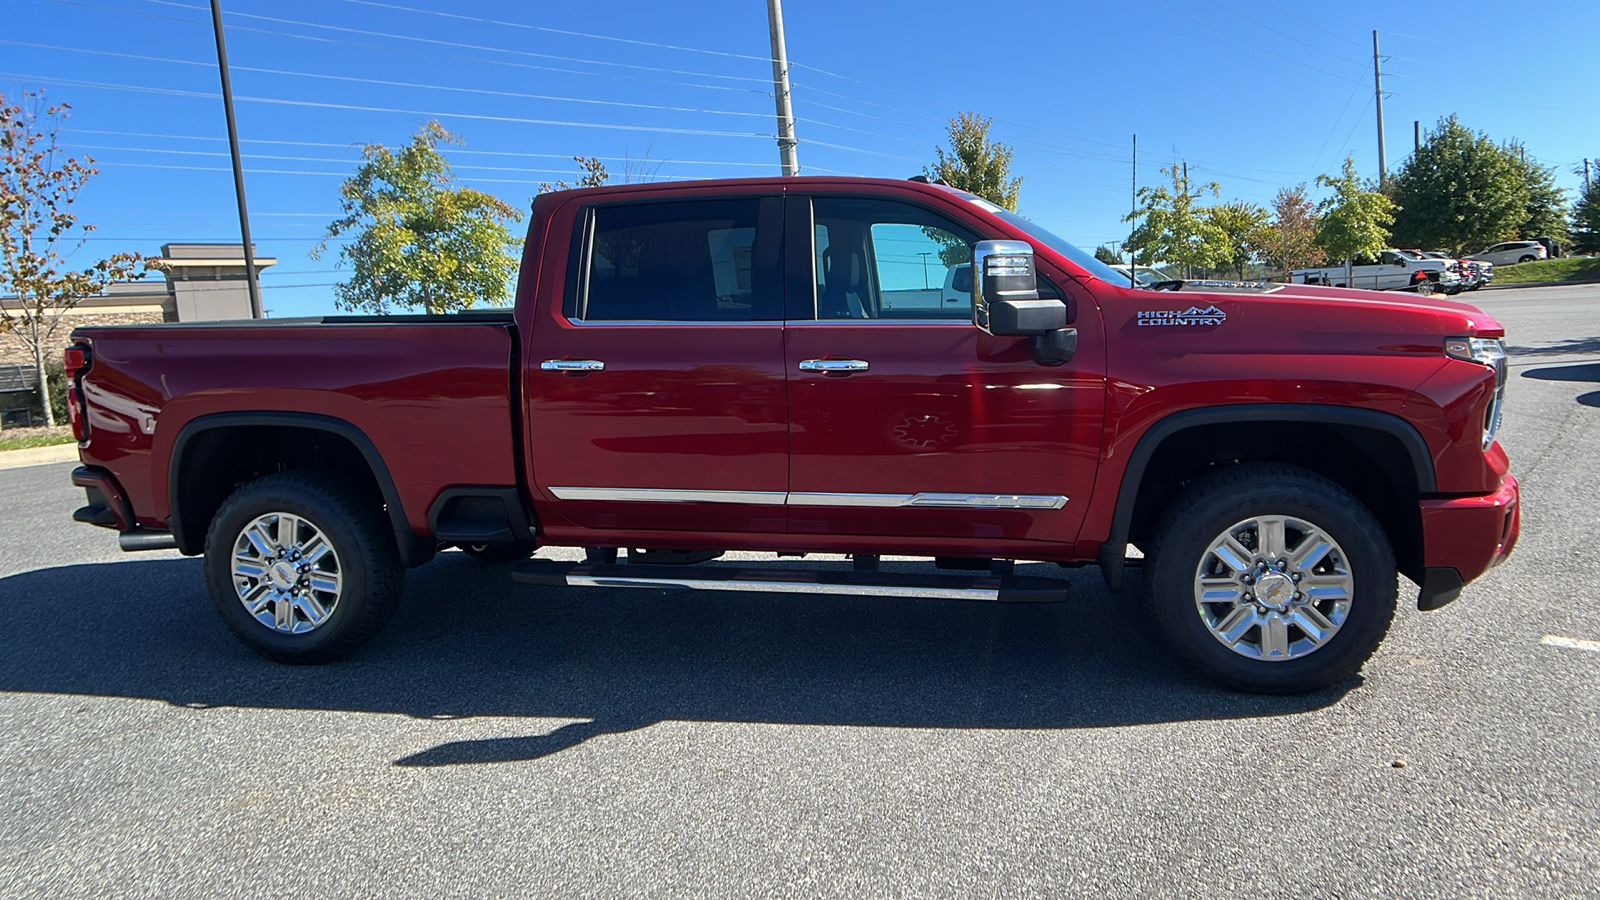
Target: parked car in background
x=1474, y=273
x=1509, y=252
x=1392, y=270
x=958, y=285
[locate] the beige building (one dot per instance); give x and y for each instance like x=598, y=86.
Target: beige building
x=202, y=282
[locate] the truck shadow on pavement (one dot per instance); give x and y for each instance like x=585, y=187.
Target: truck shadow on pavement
x=1577, y=372
x=467, y=642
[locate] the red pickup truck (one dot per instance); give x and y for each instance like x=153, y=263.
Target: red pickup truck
x=768, y=365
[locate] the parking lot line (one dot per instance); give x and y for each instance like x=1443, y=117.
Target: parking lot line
x=1556, y=640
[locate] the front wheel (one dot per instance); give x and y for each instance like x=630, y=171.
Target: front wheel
x=301, y=568
x=1272, y=579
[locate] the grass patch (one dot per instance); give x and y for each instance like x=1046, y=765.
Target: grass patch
x=1573, y=268
x=35, y=437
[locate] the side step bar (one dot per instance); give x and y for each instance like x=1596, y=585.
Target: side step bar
x=986, y=587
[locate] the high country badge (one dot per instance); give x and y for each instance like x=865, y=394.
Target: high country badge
x=1191, y=316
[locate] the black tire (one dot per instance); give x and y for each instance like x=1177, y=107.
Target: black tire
x=499, y=553
x=1529, y=258
x=371, y=578
x=1215, y=503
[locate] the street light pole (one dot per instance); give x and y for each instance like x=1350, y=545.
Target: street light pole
x=238, y=168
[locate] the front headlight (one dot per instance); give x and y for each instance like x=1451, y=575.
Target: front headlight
x=1489, y=352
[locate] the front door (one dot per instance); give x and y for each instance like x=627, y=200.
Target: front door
x=907, y=420
x=654, y=377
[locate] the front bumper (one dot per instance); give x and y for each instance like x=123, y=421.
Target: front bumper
x=1464, y=537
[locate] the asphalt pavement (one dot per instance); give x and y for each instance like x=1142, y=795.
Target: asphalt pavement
x=506, y=741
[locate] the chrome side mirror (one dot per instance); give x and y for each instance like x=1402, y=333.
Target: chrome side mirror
x=1005, y=292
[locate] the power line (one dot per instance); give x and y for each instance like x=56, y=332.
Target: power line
x=460, y=45
x=1237, y=38
x=477, y=178
x=656, y=129
x=1260, y=24
x=1334, y=128
x=387, y=83
x=548, y=30
x=414, y=52
x=1316, y=26
x=448, y=151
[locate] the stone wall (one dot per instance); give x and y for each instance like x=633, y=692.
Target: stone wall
x=14, y=352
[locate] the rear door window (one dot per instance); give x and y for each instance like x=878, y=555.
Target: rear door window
x=688, y=261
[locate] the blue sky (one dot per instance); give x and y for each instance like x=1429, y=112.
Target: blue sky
x=1255, y=95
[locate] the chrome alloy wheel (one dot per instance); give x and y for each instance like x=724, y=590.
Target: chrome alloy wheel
x=286, y=573
x=1274, y=588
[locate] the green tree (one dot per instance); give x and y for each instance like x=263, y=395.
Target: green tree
x=1586, y=218
x=1459, y=192
x=594, y=175
x=1289, y=241
x=1546, y=206
x=39, y=231
x=418, y=240
x=1355, y=220
x=1173, y=228
x=1107, y=255
x=975, y=163
x=1243, y=224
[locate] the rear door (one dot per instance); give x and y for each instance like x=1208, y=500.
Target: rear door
x=906, y=420
x=654, y=371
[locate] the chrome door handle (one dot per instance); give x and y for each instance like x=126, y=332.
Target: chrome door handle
x=833, y=365
x=572, y=365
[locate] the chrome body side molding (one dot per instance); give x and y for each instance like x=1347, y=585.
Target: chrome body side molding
x=669, y=495
x=802, y=498
x=931, y=498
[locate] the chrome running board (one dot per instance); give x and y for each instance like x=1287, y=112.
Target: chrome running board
x=986, y=587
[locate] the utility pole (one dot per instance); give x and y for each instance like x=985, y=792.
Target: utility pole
x=238, y=168
x=1134, y=209
x=1377, y=86
x=1586, y=176
x=1416, y=136
x=780, y=88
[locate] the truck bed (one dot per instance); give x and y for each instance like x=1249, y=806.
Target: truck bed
x=431, y=395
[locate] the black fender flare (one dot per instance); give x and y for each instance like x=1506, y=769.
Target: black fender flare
x=414, y=550
x=1112, y=558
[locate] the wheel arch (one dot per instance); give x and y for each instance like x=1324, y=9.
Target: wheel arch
x=1335, y=441
x=216, y=443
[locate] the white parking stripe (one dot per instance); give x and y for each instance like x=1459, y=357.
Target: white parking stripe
x=1556, y=640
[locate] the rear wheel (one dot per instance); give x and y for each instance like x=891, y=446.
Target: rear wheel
x=301, y=568
x=1271, y=579
x=1528, y=258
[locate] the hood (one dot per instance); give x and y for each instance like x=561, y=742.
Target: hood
x=1317, y=307
x=1312, y=317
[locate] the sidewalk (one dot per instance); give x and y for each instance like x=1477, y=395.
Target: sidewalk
x=36, y=456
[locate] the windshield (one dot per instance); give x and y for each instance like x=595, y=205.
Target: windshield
x=1082, y=260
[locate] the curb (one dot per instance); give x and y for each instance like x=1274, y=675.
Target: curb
x=1533, y=284
x=37, y=456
